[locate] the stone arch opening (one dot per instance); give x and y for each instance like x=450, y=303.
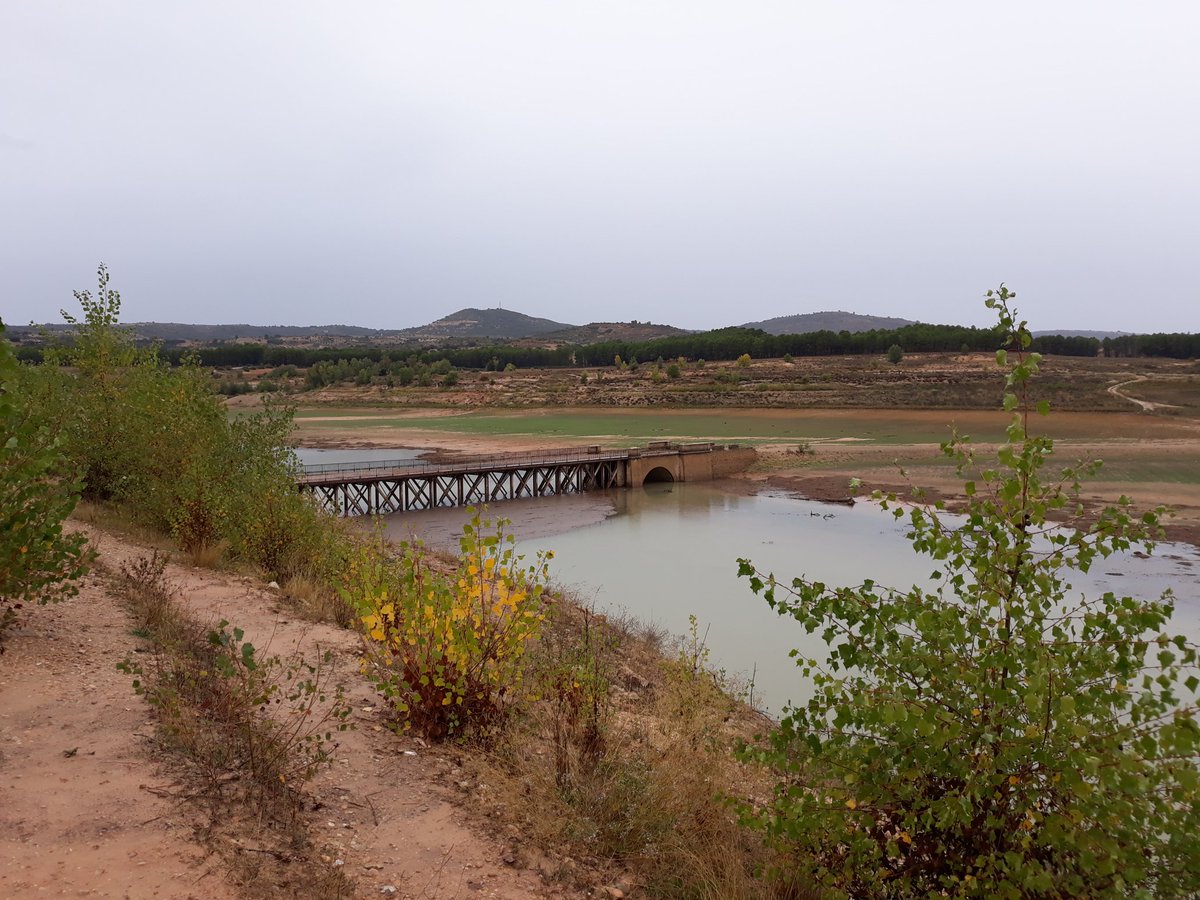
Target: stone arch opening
x=658, y=475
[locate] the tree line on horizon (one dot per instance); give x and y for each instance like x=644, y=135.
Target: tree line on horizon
x=720, y=344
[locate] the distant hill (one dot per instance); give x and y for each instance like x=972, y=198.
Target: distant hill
x=173, y=331
x=498, y=324
x=206, y=334
x=598, y=332
x=827, y=321
x=1076, y=332
x=503, y=324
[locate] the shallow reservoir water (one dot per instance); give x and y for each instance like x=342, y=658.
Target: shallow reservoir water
x=672, y=551
x=665, y=552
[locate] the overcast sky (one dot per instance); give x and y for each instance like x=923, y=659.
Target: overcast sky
x=694, y=163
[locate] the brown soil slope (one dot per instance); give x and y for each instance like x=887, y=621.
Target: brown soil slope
x=83, y=809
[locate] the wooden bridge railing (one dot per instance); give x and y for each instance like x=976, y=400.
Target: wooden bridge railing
x=328, y=472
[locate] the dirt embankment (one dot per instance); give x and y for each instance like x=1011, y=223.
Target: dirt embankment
x=92, y=806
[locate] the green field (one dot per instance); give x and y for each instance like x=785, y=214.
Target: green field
x=745, y=425
x=752, y=426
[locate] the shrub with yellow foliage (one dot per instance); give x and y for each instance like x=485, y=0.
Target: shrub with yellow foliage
x=446, y=645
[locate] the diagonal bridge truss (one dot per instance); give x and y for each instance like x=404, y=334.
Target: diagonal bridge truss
x=380, y=490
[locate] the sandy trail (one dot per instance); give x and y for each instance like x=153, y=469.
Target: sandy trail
x=79, y=810
x=390, y=809
x=1146, y=405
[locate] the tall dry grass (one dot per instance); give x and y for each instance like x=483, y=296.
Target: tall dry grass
x=625, y=769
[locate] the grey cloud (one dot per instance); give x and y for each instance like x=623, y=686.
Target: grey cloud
x=699, y=164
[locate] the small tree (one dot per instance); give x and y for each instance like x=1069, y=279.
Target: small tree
x=743, y=361
x=895, y=353
x=673, y=370
x=994, y=734
x=38, y=562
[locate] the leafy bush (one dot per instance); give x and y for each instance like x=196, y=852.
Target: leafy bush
x=447, y=649
x=993, y=735
x=38, y=563
x=157, y=441
x=673, y=370
x=895, y=353
x=743, y=361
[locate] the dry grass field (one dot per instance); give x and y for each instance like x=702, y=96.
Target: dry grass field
x=919, y=381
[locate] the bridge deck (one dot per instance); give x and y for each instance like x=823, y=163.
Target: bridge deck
x=401, y=485
x=341, y=473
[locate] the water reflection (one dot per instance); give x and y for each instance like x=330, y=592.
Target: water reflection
x=671, y=551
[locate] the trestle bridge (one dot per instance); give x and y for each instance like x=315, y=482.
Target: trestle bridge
x=351, y=489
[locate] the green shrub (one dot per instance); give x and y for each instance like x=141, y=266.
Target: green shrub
x=994, y=735
x=38, y=562
x=895, y=353
x=158, y=442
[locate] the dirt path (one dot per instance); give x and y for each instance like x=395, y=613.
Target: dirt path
x=390, y=810
x=1145, y=405
x=79, y=812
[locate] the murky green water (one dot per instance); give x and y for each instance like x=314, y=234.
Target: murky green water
x=672, y=551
